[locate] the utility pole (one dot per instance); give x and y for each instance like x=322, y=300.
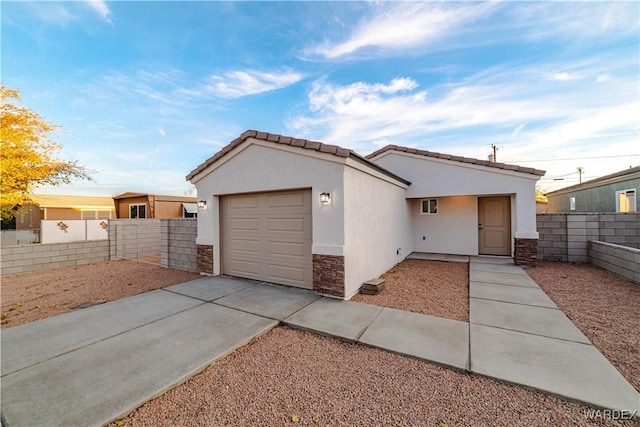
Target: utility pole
x=580, y=171
x=495, y=150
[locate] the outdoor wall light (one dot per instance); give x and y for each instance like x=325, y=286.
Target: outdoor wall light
x=202, y=204
x=325, y=197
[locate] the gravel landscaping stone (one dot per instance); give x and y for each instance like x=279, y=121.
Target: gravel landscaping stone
x=437, y=288
x=33, y=296
x=290, y=374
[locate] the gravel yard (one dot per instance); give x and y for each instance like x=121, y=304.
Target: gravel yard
x=437, y=288
x=33, y=296
x=603, y=305
x=323, y=381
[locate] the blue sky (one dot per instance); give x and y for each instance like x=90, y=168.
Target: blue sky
x=145, y=91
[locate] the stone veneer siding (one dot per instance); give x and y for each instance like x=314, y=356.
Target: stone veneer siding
x=205, y=258
x=526, y=252
x=328, y=275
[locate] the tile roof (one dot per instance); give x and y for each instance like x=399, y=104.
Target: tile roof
x=595, y=181
x=460, y=159
x=59, y=201
x=294, y=142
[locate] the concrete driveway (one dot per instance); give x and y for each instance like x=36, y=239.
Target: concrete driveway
x=94, y=366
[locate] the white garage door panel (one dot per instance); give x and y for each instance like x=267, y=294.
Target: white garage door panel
x=268, y=236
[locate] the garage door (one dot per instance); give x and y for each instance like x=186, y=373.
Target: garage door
x=267, y=236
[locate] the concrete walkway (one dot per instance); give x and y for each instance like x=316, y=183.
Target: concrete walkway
x=519, y=335
x=93, y=366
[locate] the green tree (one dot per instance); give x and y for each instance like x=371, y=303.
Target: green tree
x=28, y=155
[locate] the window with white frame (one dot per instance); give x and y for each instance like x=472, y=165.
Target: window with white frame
x=626, y=201
x=138, y=211
x=429, y=206
x=572, y=203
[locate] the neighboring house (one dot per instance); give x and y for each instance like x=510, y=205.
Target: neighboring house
x=140, y=205
x=318, y=216
x=617, y=192
x=541, y=207
x=55, y=207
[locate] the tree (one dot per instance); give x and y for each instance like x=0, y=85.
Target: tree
x=28, y=155
x=540, y=197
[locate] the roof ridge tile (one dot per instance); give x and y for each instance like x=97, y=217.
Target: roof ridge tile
x=449, y=157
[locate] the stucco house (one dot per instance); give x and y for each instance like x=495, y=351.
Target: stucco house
x=141, y=206
x=317, y=216
x=59, y=207
x=616, y=192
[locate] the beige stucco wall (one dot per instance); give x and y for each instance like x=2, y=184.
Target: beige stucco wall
x=377, y=224
x=259, y=166
x=453, y=230
x=432, y=177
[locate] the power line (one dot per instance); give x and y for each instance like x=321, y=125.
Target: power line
x=574, y=158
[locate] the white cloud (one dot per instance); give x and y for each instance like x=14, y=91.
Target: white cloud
x=574, y=21
x=403, y=25
x=603, y=78
x=564, y=76
x=101, y=8
x=236, y=84
x=491, y=106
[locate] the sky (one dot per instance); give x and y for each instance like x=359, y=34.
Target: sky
x=145, y=91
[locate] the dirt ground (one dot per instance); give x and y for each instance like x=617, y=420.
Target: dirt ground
x=33, y=296
x=437, y=288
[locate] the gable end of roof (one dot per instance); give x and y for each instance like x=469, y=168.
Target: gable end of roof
x=293, y=142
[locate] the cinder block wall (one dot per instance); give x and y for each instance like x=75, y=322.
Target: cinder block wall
x=26, y=258
x=552, y=242
x=178, y=244
x=618, y=259
x=565, y=237
x=134, y=238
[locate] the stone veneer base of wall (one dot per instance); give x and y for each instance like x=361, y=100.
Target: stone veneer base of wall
x=525, y=252
x=205, y=258
x=328, y=275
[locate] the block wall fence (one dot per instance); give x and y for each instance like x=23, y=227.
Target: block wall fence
x=610, y=241
x=621, y=260
x=36, y=257
x=172, y=241
x=178, y=244
x=566, y=236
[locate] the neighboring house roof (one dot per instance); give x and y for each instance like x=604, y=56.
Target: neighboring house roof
x=460, y=159
x=72, y=202
x=614, y=177
x=157, y=197
x=294, y=142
